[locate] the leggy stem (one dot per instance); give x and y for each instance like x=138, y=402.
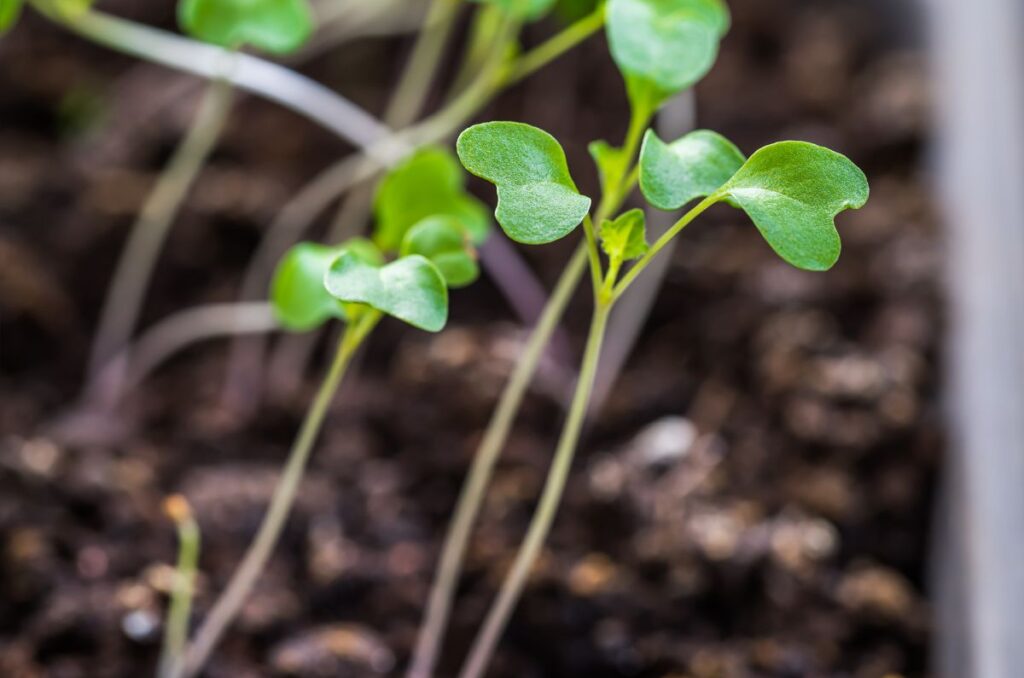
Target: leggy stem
x=512, y=588
x=428, y=643
x=176, y=631
x=131, y=277
x=242, y=582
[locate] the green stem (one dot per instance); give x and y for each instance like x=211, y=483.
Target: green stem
x=667, y=236
x=414, y=84
x=227, y=606
x=138, y=259
x=176, y=631
x=593, y=254
x=546, y=52
x=540, y=525
x=439, y=604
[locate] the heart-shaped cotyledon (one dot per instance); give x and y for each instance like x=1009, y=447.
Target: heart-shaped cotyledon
x=538, y=202
x=410, y=289
x=793, y=190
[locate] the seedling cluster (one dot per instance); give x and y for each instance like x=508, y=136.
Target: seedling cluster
x=427, y=227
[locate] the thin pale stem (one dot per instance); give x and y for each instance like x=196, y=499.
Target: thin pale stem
x=471, y=498
x=412, y=88
x=494, y=625
x=261, y=77
x=230, y=601
x=170, y=336
x=180, y=609
x=138, y=259
x=667, y=236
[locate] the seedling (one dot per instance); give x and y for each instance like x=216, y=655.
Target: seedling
x=423, y=243
x=661, y=47
x=791, y=190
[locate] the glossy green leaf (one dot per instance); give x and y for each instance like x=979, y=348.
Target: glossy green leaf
x=10, y=10
x=625, y=238
x=428, y=183
x=793, y=190
x=442, y=240
x=297, y=293
x=537, y=199
x=410, y=289
x=523, y=9
x=277, y=26
x=693, y=166
x=670, y=44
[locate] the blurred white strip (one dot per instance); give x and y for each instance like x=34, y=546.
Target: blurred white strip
x=265, y=78
x=978, y=60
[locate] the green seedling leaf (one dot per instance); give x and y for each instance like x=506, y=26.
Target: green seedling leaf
x=442, y=240
x=670, y=44
x=410, y=289
x=625, y=238
x=537, y=200
x=793, y=190
x=428, y=183
x=276, y=26
x=10, y=10
x=297, y=293
x=522, y=9
x=693, y=166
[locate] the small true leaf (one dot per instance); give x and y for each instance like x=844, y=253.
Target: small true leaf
x=669, y=43
x=793, y=190
x=428, y=183
x=410, y=289
x=277, y=26
x=523, y=9
x=10, y=10
x=442, y=240
x=693, y=166
x=625, y=238
x=537, y=200
x=297, y=292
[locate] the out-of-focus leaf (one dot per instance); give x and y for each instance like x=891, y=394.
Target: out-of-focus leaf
x=442, y=240
x=625, y=238
x=276, y=26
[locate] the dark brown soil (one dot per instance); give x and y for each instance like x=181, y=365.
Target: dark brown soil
x=754, y=500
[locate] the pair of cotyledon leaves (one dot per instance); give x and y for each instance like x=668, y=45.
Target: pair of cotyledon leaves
x=791, y=190
x=315, y=283
x=424, y=216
